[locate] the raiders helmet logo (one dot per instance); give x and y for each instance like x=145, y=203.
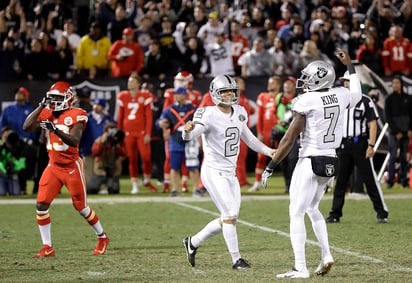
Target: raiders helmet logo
x=322, y=72
x=242, y=118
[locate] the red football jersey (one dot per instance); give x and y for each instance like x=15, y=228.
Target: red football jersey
x=240, y=45
x=266, y=117
x=135, y=113
x=59, y=152
x=207, y=100
x=193, y=96
x=396, y=56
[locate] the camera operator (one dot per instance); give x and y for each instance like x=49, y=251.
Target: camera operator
x=109, y=151
x=12, y=161
x=283, y=103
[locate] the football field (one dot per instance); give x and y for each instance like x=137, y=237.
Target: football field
x=146, y=233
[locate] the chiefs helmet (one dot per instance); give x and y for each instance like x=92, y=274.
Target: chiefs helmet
x=317, y=75
x=61, y=96
x=184, y=79
x=221, y=83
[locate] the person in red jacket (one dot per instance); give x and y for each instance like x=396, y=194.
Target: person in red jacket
x=136, y=120
x=396, y=53
x=266, y=120
x=126, y=55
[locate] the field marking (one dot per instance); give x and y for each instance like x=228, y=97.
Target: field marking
x=311, y=242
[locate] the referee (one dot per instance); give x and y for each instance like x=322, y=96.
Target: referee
x=359, y=125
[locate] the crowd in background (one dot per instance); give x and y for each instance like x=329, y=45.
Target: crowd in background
x=111, y=38
x=75, y=40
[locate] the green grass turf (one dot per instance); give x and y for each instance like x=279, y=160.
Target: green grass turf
x=146, y=235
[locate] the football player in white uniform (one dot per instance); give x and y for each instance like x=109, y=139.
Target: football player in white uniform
x=318, y=118
x=222, y=126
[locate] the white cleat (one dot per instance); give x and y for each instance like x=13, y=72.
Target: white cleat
x=294, y=274
x=135, y=191
x=324, y=266
x=255, y=187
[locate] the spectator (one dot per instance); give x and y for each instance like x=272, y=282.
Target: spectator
x=208, y=32
x=63, y=125
x=357, y=148
x=62, y=58
x=369, y=54
x=98, y=118
x=109, y=151
x=10, y=60
x=10, y=164
x=258, y=61
x=296, y=39
x=155, y=63
x=92, y=53
x=74, y=39
x=121, y=21
x=266, y=120
x=309, y=53
x=240, y=45
x=126, y=55
x=135, y=119
x=13, y=117
x=145, y=33
x=36, y=64
x=168, y=45
x=398, y=112
x=284, y=58
x=220, y=56
x=174, y=118
x=193, y=57
x=245, y=28
x=396, y=53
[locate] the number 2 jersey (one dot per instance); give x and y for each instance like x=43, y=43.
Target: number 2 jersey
x=221, y=133
x=59, y=152
x=324, y=112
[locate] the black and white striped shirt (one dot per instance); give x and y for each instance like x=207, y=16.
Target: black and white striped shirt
x=356, y=119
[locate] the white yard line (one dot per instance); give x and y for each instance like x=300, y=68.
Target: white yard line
x=310, y=242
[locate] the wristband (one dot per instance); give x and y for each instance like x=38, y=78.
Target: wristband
x=371, y=145
x=351, y=69
x=272, y=165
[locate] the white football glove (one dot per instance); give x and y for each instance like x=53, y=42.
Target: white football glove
x=45, y=102
x=265, y=177
x=49, y=126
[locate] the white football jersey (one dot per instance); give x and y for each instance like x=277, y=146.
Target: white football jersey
x=221, y=138
x=324, y=112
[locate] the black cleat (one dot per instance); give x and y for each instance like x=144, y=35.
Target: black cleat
x=241, y=264
x=332, y=219
x=190, y=251
x=382, y=220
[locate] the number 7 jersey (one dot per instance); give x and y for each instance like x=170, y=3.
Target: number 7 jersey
x=59, y=152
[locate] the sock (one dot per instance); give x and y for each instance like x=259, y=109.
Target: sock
x=298, y=240
x=135, y=185
x=321, y=232
x=258, y=177
x=230, y=236
x=211, y=229
x=92, y=219
x=184, y=185
x=146, y=181
x=44, y=223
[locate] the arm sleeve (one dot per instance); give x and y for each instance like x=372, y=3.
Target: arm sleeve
x=355, y=90
x=197, y=131
x=249, y=138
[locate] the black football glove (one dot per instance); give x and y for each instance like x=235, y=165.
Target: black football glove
x=49, y=126
x=45, y=102
x=265, y=177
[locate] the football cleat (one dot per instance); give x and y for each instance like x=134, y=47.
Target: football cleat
x=190, y=251
x=241, y=264
x=382, y=220
x=174, y=193
x=294, y=274
x=151, y=187
x=199, y=192
x=332, y=219
x=102, y=244
x=135, y=191
x=324, y=266
x=46, y=251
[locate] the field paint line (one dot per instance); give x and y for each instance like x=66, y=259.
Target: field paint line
x=311, y=242
x=138, y=199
